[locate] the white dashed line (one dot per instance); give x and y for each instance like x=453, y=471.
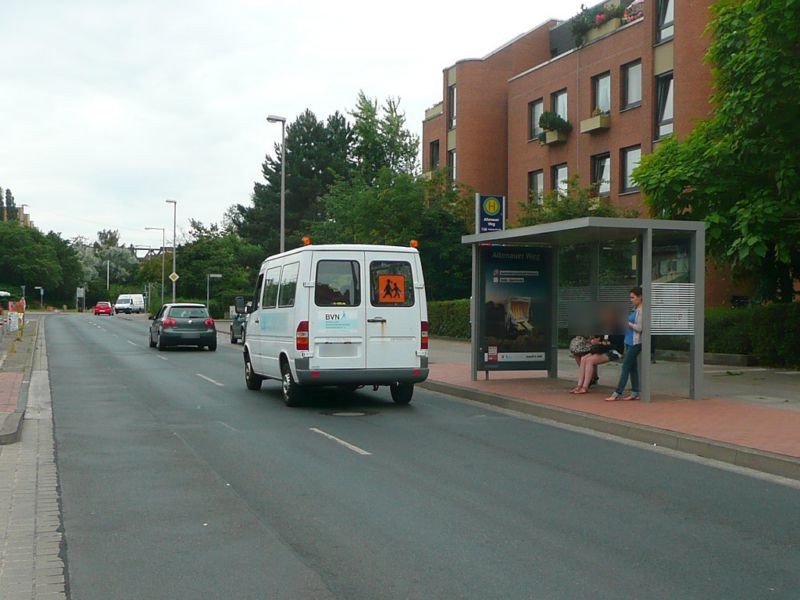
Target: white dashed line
x=132, y=343
x=347, y=445
x=201, y=376
x=228, y=426
x=163, y=357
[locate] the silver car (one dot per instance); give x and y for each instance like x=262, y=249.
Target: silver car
x=182, y=325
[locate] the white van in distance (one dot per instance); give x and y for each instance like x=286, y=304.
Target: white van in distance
x=129, y=303
x=346, y=315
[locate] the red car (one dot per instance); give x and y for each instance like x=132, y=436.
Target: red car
x=103, y=308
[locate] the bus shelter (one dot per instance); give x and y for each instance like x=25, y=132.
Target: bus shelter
x=533, y=287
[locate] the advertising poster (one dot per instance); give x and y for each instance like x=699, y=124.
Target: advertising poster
x=515, y=311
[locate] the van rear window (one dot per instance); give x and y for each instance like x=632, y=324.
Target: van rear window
x=337, y=283
x=391, y=283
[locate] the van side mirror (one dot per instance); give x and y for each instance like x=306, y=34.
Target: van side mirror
x=239, y=306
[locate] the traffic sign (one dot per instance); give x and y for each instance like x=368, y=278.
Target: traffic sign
x=173, y=277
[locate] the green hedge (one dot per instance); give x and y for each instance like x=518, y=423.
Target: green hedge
x=449, y=318
x=770, y=332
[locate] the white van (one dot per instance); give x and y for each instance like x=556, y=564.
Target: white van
x=345, y=315
x=129, y=303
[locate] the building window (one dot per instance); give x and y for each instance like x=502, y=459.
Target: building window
x=451, y=107
x=601, y=93
x=601, y=174
x=664, y=105
x=630, y=160
x=632, y=84
x=666, y=20
x=560, y=175
x=451, y=165
x=535, y=110
x=434, y=155
x=536, y=186
x=559, y=101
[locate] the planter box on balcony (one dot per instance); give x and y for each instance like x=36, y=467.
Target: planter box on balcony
x=605, y=28
x=598, y=123
x=554, y=137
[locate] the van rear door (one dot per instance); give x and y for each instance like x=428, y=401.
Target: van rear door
x=393, y=310
x=336, y=311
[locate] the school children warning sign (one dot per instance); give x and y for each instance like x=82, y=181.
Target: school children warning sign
x=392, y=289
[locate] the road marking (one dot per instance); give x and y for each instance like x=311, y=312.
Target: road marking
x=132, y=343
x=347, y=445
x=201, y=376
x=228, y=426
x=163, y=357
x=788, y=372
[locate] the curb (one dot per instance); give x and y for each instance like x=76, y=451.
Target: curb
x=767, y=462
x=12, y=428
x=11, y=431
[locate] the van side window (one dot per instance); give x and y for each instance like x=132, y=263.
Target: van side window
x=271, y=287
x=337, y=283
x=256, y=304
x=391, y=283
x=288, y=285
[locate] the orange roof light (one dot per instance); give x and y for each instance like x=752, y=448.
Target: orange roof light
x=414, y=244
x=306, y=240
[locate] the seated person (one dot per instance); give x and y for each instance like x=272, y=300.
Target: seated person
x=603, y=349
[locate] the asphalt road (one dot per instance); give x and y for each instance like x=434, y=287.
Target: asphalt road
x=177, y=482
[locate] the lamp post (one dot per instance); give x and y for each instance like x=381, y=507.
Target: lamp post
x=209, y=277
x=174, y=251
x=163, y=252
x=282, y=121
x=41, y=295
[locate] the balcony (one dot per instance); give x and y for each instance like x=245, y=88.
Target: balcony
x=595, y=123
x=553, y=137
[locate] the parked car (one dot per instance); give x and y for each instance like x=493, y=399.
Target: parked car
x=238, y=328
x=182, y=325
x=103, y=308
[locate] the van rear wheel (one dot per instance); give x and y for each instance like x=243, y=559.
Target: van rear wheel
x=402, y=392
x=289, y=388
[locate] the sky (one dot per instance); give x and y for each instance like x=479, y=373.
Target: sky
x=110, y=107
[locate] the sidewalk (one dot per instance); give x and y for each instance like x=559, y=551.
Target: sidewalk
x=16, y=356
x=750, y=430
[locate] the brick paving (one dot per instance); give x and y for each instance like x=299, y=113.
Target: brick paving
x=758, y=427
x=31, y=540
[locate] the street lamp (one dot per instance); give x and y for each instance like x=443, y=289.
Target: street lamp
x=173, y=275
x=163, y=252
x=209, y=277
x=41, y=295
x=282, y=121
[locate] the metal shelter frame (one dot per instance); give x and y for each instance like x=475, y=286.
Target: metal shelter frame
x=595, y=230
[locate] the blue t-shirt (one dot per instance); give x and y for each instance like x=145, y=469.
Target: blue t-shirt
x=629, y=333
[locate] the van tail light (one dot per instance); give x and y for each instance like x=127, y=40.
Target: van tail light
x=209, y=322
x=169, y=322
x=423, y=335
x=301, y=338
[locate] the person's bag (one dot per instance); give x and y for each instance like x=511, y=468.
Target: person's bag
x=579, y=345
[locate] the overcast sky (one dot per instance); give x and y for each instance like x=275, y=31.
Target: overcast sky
x=108, y=107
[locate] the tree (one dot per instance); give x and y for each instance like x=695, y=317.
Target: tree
x=395, y=209
x=737, y=170
x=382, y=140
x=107, y=238
x=2, y=206
x=11, y=207
x=574, y=203
x=27, y=258
x=317, y=154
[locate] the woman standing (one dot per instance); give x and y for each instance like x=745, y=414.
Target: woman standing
x=633, y=348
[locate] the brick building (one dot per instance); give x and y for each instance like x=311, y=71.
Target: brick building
x=631, y=82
